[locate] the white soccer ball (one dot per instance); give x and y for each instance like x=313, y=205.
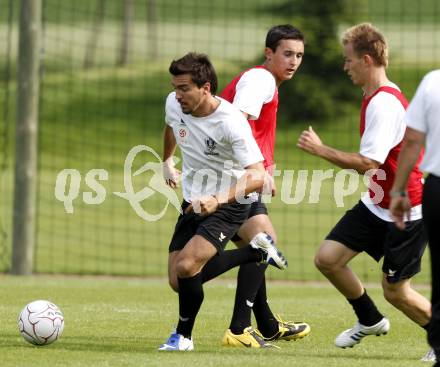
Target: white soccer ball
x=41, y=322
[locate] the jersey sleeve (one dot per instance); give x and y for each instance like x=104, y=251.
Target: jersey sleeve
x=384, y=127
x=255, y=88
x=415, y=116
x=170, y=109
x=244, y=146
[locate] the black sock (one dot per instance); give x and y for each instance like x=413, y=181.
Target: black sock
x=248, y=282
x=266, y=322
x=366, y=310
x=227, y=260
x=190, y=300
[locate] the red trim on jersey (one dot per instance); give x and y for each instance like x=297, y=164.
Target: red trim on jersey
x=415, y=185
x=264, y=127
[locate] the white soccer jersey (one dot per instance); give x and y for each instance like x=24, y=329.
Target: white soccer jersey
x=215, y=148
x=424, y=115
x=256, y=87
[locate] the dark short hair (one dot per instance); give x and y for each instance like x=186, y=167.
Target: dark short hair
x=282, y=32
x=199, y=67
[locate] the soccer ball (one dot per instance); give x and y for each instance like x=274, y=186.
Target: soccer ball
x=41, y=322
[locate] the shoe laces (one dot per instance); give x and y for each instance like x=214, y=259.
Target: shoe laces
x=254, y=333
x=285, y=323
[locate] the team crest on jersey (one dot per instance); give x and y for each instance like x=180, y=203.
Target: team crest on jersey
x=210, y=146
x=183, y=134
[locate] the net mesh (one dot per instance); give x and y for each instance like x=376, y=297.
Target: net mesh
x=104, y=80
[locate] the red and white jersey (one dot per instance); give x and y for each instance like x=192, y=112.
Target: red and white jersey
x=255, y=93
x=382, y=128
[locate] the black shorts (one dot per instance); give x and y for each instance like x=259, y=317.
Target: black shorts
x=360, y=230
x=217, y=228
x=257, y=207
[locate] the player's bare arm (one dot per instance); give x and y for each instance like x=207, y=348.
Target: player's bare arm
x=310, y=142
x=170, y=173
x=400, y=204
x=252, y=180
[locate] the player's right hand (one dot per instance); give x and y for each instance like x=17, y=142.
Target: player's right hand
x=171, y=174
x=309, y=141
x=269, y=185
x=400, y=209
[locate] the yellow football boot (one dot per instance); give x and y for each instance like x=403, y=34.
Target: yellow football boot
x=249, y=339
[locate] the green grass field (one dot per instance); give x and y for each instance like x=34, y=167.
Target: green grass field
x=121, y=322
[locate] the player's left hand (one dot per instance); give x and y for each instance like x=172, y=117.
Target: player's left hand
x=400, y=208
x=309, y=141
x=203, y=206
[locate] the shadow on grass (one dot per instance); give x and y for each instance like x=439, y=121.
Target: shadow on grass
x=144, y=346
x=109, y=344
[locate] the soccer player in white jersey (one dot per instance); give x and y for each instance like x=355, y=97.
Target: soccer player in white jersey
x=368, y=225
x=222, y=167
x=423, y=121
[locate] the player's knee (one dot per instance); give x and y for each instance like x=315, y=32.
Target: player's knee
x=393, y=297
x=323, y=263
x=185, y=267
x=394, y=294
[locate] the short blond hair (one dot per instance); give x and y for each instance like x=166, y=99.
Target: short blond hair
x=367, y=40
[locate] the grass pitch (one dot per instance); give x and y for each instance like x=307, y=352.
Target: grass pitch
x=121, y=322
